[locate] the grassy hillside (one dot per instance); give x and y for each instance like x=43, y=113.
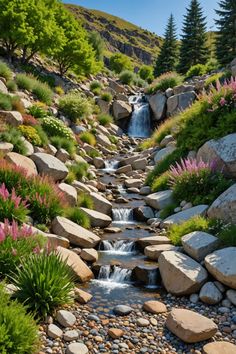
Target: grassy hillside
x=120, y=35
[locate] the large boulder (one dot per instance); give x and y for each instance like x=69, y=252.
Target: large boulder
x=101, y=204
x=158, y=105
x=222, y=265
x=222, y=152
x=23, y=162
x=140, y=164
x=161, y=154
x=224, y=207
x=70, y=193
x=143, y=213
x=153, y=252
x=159, y=200
x=13, y=118
x=180, y=102
x=178, y=218
x=97, y=219
x=49, y=165
x=181, y=275
x=121, y=109
x=190, y=326
x=199, y=244
x=80, y=269
x=103, y=140
x=76, y=234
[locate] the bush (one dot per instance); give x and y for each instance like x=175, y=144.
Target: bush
x=106, y=96
x=30, y=133
x=25, y=82
x=212, y=65
x=120, y=62
x=165, y=81
x=44, y=282
x=12, y=207
x=12, y=86
x=5, y=71
x=16, y=244
x=126, y=77
x=113, y=139
x=146, y=72
x=18, y=331
x=78, y=216
x=161, y=183
x=5, y=102
x=59, y=90
x=77, y=171
x=88, y=138
x=168, y=210
x=85, y=201
x=43, y=92
x=212, y=80
x=13, y=136
x=63, y=143
x=227, y=235
x=96, y=87
x=74, y=106
x=196, y=70
x=55, y=127
x=105, y=119
x=37, y=111
x=29, y=120
x=139, y=82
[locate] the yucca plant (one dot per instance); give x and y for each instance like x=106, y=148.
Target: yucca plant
x=44, y=282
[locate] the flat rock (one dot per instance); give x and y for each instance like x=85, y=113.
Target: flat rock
x=210, y=294
x=219, y=348
x=89, y=255
x=70, y=193
x=143, y=322
x=71, y=335
x=97, y=219
x=122, y=310
x=101, y=204
x=22, y=161
x=65, y=318
x=190, y=326
x=224, y=207
x=181, y=275
x=82, y=296
x=159, y=200
x=154, y=307
x=178, y=218
x=133, y=183
x=49, y=165
x=222, y=265
x=153, y=240
x=54, y=331
x=199, y=244
x=140, y=164
x=153, y=252
x=77, y=348
x=115, y=333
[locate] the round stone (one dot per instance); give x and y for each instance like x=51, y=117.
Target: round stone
x=54, y=331
x=143, y=322
x=155, y=307
x=77, y=348
x=219, y=348
x=122, y=310
x=71, y=335
x=115, y=333
x=66, y=318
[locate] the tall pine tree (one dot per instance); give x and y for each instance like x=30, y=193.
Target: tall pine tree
x=226, y=38
x=167, y=58
x=193, y=49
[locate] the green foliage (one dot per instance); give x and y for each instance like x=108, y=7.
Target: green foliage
x=41, y=90
x=167, y=58
x=11, y=85
x=95, y=87
x=63, y=143
x=97, y=43
x=55, y=127
x=161, y=183
x=13, y=136
x=5, y=71
x=105, y=119
x=78, y=216
x=44, y=282
x=85, y=201
x=88, y=138
x=25, y=82
x=75, y=107
x=146, y=73
x=168, y=210
x=113, y=139
x=18, y=331
x=165, y=81
x=127, y=77
x=30, y=133
x=196, y=70
x=227, y=235
x=77, y=172
x=106, y=96
x=59, y=90
x=212, y=80
x=37, y=111
x=5, y=102
x=139, y=82
x=212, y=65
x=120, y=62
x=12, y=207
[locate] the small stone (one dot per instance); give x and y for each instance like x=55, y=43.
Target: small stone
x=71, y=335
x=54, y=331
x=231, y=295
x=194, y=298
x=122, y=310
x=154, y=307
x=66, y=318
x=143, y=322
x=115, y=333
x=219, y=348
x=77, y=348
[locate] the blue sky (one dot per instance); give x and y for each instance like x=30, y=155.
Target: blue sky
x=148, y=14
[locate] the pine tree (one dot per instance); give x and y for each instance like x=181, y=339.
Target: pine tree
x=226, y=38
x=167, y=58
x=193, y=49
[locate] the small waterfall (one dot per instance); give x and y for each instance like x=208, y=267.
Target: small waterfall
x=140, y=123
x=113, y=277
x=152, y=279
x=122, y=215
x=111, y=165
x=119, y=247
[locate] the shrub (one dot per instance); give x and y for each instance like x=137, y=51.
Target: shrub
x=78, y=216
x=139, y=82
x=212, y=80
x=29, y=120
x=37, y=111
x=88, y=138
x=96, y=86
x=146, y=72
x=113, y=139
x=161, y=183
x=43, y=92
x=168, y=210
x=30, y=133
x=13, y=136
x=196, y=70
x=85, y=201
x=5, y=102
x=44, y=282
x=5, y=71
x=126, y=77
x=42, y=135
x=165, y=81
x=212, y=65
x=11, y=85
x=59, y=90
x=106, y=96
x=18, y=331
x=105, y=119
x=77, y=171
x=74, y=106
x=120, y=62
x=227, y=235
x=25, y=82
x=55, y=127
x=16, y=244
x=12, y=207
x=63, y=143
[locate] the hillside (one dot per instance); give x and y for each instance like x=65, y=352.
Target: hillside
x=120, y=35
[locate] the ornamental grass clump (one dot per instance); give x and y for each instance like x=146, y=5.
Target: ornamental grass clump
x=165, y=81
x=78, y=216
x=14, y=136
x=75, y=106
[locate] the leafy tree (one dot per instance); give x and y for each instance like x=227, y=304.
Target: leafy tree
x=146, y=72
x=167, y=58
x=193, y=48
x=120, y=62
x=226, y=38
x=97, y=43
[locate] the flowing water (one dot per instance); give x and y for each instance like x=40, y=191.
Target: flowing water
x=111, y=278
x=140, y=123
x=111, y=165
x=119, y=247
x=122, y=216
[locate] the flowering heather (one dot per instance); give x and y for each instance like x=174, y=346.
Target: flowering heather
x=223, y=96
x=12, y=207
x=189, y=165
x=14, y=231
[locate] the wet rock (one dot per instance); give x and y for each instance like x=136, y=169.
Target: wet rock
x=143, y=213
x=122, y=310
x=89, y=255
x=146, y=274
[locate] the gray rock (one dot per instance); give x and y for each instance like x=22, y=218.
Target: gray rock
x=145, y=190
x=199, y=244
x=77, y=348
x=49, y=165
x=178, y=218
x=224, y=207
x=3, y=88
x=97, y=219
x=66, y=318
x=143, y=213
x=121, y=109
x=122, y=310
x=98, y=162
x=158, y=105
x=71, y=335
x=69, y=192
x=13, y=118
x=161, y=154
x=101, y=204
x=153, y=252
x=159, y=200
x=54, y=331
x=231, y=295
x=210, y=294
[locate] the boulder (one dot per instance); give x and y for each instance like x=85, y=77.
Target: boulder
x=199, y=244
x=97, y=219
x=154, y=307
x=23, y=162
x=76, y=234
x=80, y=269
x=222, y=152
x=13, y=118
x=121, y=109
x=159, y=200
x=222, y=265
x=143, y=213
x=82, y=296
x=181, y=275
x=210, y=294
x=103, y=140
x=190, y=326
x=133, y=183
x=5, y=148
x=180, y=102
x=118, y=88
x=81, y=187
x=49, y=165
x=161, y=154
x=140, y=164
x=153, y=240
x=224, y=207
x=101, y=204
x=89, y=255
x=98, y=162
x=3, y=88
x=70, y=193
x=153, y=252
x=178, y=218
x=158, y=105
x=62, y=155
x=103, y=105
x=220, y=347
x=124, y=169
x=145, y=190
x=166, y=140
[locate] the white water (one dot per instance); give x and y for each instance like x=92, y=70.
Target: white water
x=152, y=279
x=116, y=278
x=119, y=247
x=122, y=215
x=111, y=166
x=140, y=123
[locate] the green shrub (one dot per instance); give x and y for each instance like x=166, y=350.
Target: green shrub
x=165, y=81
x=212, y=80
x=168, y=210
x=55, y=127
x=227, y=235
x=44, y=282
x=43, y=92
x=13, y=136
x=161, y=183
x=42, y=135
x=196, y=70
x=113, y=139
x=25, y=82
x=212, y=65
x=105, y=119
x=63, y=143
x=120, y=62
x=77, y=171
x=75, y=107
x=146, y=72
x=126, y=77
x=59, y=90
x=85, y=201
x=12, y=86
x=31, y=134
x=88, y=138
x=5, y=102
x=95, y=87
x=37, y=111
x=106, y=96
x=94, y=153
x=5, y=71
x=78, y=216
x=139, y=82
x=18, y=331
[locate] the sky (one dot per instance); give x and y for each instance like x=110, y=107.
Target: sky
x=149, y=14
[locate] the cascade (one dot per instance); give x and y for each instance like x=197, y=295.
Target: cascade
x=120, y=247
x=122, y=215
x=111, y=165
x=140, y=123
